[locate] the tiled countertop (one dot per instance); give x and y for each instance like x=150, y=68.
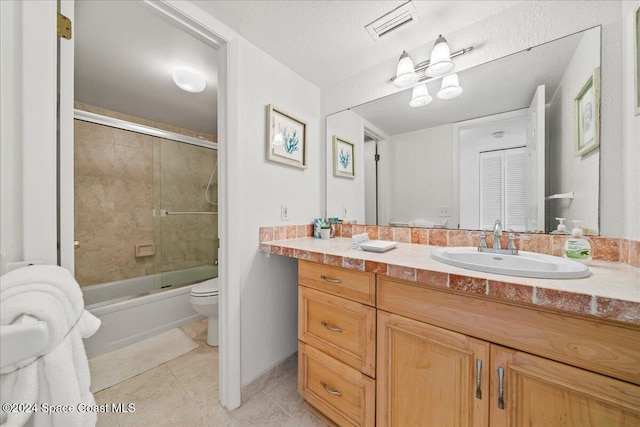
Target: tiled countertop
x=612, y=291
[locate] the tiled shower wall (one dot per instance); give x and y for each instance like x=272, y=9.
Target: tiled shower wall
x=121, y=178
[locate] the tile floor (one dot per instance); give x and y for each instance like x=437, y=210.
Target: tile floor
x=184, y=392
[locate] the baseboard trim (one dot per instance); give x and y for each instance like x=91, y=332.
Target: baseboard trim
x=267, y=377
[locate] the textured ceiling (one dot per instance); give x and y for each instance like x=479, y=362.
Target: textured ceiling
x=125, y=52
x=124, y=57
x=325, y=41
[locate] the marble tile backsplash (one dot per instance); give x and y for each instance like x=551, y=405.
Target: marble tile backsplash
x=604, y=248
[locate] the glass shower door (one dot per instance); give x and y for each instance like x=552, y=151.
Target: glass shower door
x=187, y=224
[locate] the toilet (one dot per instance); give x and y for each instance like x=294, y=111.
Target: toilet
x=204, y=299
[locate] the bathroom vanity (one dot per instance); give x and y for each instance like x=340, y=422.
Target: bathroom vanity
x=399, y=339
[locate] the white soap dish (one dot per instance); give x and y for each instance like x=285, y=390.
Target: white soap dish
x=378, y=245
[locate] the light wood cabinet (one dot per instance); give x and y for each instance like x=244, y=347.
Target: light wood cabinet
x=541, y=392
x=418, y=358
x=337, y=342
x=428, y=376
x=379, y=350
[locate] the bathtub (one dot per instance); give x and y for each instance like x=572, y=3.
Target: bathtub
x=131, y=310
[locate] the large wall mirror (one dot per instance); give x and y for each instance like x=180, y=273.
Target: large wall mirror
x=506, y=148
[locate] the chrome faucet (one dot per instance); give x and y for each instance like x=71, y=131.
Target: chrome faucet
x=497, y=247
x=497, y=233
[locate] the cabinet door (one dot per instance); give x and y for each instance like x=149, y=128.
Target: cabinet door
x=540, y=392
x=427, y=376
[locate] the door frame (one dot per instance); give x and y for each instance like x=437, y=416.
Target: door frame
x=208, y=29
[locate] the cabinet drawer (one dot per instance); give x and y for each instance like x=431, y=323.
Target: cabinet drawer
x=343, y=394
x=341, y=328
x=354, y=285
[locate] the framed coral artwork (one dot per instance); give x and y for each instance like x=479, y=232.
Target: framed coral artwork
x=286, y=138
x=343, y=158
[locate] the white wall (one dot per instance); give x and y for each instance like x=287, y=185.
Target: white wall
x=423, y=170
x=631, y=127
x=268, y=285
x=524, y=25
x=568, y=172
x=346, y=192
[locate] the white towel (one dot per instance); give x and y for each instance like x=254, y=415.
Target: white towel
x=59, y=375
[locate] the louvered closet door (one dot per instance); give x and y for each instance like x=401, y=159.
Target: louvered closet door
x=503, y=183
x=491, y=188
x=515, y=189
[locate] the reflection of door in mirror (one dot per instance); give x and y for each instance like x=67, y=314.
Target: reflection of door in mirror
x=370, y=180
x=492, y=171
x=501, y=164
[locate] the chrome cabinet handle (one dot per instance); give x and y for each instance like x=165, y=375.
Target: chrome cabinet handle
x=501, y=387
x=328, y=390
x=329, y=279
x=478, y=380
x=331, y=328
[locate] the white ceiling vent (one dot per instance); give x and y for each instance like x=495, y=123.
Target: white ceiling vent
x=393, y=20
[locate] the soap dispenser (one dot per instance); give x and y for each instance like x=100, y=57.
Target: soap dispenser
x=561, y=229
x=577, y=247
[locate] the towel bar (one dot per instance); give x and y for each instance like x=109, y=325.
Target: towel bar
x=21, y=341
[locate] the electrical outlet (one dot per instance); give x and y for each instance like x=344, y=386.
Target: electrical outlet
x=443, y=211
x=344, y=212
x=284, y=212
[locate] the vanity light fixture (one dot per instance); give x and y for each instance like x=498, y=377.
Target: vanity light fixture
x=420, y=96
x=188, y=80
x=405, y=72
x=450, y=87
x=438, y=65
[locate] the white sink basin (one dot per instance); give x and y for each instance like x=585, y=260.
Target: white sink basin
x=525, y=264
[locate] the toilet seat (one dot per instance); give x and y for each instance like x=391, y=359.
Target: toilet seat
x=207, y=288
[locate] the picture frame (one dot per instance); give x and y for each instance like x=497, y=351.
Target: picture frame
x=343, y=158
x=286, y=138
x=636, y=63
x=587, y=115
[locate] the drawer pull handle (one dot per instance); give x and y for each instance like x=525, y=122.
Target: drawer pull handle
x=331, y=328
x=329, y=279
x=328, y=390
x=478, y=381
x=501, y=387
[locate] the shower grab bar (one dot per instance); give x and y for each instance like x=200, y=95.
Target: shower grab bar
x=163, y=213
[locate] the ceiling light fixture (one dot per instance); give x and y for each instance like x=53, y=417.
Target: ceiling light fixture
x=188, y=80
x=438, y=65
x=420, y=96
x=450, y=87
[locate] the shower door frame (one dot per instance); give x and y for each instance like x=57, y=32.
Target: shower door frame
x=208, y=29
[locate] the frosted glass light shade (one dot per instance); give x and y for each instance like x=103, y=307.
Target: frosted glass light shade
x=405, y=73
x=440, y=62
x=188, y=80
x=450, y=87
x=420, y=96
